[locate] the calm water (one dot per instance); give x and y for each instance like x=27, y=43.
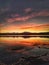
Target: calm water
x=21, y=50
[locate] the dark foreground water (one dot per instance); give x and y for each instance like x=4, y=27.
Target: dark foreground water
x=24, y=51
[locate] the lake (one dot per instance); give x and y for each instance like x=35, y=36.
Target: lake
x=24, y=50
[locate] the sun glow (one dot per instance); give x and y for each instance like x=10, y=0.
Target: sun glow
x=25, y=28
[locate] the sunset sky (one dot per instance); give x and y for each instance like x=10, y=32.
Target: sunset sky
x=24, y=15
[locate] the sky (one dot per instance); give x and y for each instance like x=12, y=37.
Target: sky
x=24, y=15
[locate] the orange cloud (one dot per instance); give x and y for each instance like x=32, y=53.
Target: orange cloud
x=26, y=27
x=37, y=28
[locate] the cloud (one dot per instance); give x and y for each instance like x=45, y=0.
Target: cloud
x=35, y=26
x=25, y=27
x=27, y=10
x=17, y=17
x=14, y=15
x=43, y=13
x=1, y=24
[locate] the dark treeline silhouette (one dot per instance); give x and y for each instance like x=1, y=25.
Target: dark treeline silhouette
x=26, y=33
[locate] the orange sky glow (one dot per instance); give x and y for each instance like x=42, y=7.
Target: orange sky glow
x=25, y=28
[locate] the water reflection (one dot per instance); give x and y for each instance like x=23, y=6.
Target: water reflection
x=23, y=41
x=20, y=50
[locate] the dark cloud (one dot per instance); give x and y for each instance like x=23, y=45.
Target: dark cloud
x=23, y=10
